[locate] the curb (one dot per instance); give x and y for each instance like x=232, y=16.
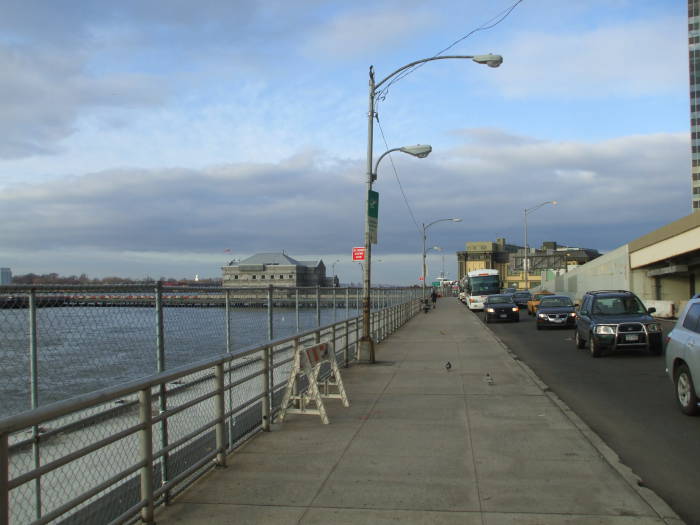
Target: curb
x=655, y=502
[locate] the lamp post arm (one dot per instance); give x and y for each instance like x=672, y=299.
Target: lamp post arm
x=415, y=63
x=376, y=164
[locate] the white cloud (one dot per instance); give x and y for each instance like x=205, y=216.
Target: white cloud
x=354, y=33
x=633, y=59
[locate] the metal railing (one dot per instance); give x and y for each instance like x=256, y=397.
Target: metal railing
x=112, y=455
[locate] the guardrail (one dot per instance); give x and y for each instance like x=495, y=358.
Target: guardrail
x=112, y=455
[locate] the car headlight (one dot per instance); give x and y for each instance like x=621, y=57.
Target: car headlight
x=572, y=314
x=490, y=310
x=653, y=328
x=542, y=316
x=516, y=309
x=604, y=330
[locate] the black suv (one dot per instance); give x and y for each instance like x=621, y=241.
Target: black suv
x=616, y=319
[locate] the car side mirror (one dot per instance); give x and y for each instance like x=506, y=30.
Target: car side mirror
x=651, y=310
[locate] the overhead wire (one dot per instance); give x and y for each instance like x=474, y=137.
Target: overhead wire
x=396, y=174
x=489, y=24
x=382, y=93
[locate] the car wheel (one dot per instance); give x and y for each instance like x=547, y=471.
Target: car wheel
x=685, y=391
x=516, y=319
x=593, y=347
x=580, y=343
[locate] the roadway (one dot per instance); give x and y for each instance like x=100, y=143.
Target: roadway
x=627, y=399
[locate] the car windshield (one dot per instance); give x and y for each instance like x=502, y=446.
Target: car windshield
x=618, y=306
x=498, y=299
x=521, y=295
x=555, y=302
x=539, y=296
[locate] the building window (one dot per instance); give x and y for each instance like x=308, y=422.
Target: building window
x=281, y=276
x=255, y=276
x=272, y=276
x=291, y=277
x=262, y=277
x=235, y=277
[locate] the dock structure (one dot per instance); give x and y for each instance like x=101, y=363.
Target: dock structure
x=482, y=440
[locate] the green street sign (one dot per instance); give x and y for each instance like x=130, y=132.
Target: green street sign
x=436, y=283
x=373, y=214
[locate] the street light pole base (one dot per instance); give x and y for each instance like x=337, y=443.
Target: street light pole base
x=365, y=351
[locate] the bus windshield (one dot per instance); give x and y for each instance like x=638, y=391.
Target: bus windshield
x=484, y=284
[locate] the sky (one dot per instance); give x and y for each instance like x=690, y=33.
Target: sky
x=168, y=138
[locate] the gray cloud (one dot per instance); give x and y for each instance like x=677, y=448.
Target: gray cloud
x=609, y=193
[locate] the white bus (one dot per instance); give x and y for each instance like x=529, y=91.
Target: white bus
x=478, y=284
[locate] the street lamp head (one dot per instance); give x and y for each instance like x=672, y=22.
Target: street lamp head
x=490, y=60
x=554, y=203
x=456, y=220
x=419, y=150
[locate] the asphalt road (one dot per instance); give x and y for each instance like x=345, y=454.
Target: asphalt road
x=627, y=399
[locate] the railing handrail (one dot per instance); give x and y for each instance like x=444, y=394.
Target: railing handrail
x=35, y=416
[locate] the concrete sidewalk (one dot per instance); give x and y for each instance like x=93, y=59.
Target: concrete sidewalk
x=483, y=443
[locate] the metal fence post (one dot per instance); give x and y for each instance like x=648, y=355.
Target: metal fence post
x=220, y=416
x=296, y=303
x=266, y=389
x=334, y=306
x=4, y=481
x=227, y=299
x=318, y=306
x=146, y=449
x=346, y=350
x=162, y=388
x=347, y=303
x=34, y=386
x=270, y=357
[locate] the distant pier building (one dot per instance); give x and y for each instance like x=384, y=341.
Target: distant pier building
x=277, y=269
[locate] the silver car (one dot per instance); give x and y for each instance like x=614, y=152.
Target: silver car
x=683, y=357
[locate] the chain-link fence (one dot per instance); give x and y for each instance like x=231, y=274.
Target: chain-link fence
x=59, y=342
x=109, y=455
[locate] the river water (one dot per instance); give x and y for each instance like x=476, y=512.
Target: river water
x=82, y=349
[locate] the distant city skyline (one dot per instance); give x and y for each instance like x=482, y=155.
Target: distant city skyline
x=167, y=139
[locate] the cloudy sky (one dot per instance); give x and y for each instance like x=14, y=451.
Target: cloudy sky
x=165, y=138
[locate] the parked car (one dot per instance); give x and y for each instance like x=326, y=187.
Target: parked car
x=521, y=299
x=508, y=290
x=501, y=307
x=532, y=303
x=614, y=320
x=555, y=310
x=683, y=357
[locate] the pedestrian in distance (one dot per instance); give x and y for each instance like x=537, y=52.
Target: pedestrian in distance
x=433, y=297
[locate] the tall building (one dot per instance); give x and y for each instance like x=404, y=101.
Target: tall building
x=5, y=276
x=694, y=69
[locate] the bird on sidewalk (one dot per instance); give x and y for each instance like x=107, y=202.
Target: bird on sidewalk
x=448, y=366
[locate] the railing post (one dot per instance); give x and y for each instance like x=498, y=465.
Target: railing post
x=266, y=389
x=4, y=480
x=220, y=416
x=162, y=388
x=346, y=350
x=271, y=355
x=34, y=386
x=334, y=306
x=227, y=302
x=146, y=450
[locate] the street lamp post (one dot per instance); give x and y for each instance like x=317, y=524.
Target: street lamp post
x=526, y=269
x=333, y=270
x=425, y=237
x=366, y=344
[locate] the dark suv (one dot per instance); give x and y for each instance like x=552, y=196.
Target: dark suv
x=616, y=319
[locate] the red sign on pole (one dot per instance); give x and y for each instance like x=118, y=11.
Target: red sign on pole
x=358, y=253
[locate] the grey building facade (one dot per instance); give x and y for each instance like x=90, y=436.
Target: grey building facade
x=5, y=276
x=277, y=269
x=694, y=70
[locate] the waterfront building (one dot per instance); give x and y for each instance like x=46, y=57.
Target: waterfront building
x=694, y=70
x=5, y=276
x=509, y=260
x=277, y=269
